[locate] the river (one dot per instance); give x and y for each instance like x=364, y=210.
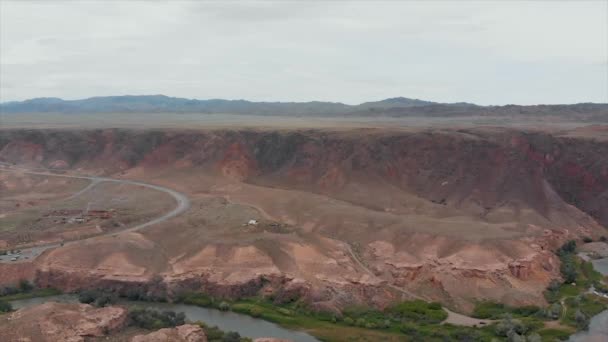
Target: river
x=228, y=321
x=598, y=327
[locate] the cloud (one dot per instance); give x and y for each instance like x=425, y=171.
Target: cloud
x=489, y=53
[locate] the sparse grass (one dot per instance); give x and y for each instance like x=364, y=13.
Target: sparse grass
x=492, y=310
x=31, y=294
x=553, y=334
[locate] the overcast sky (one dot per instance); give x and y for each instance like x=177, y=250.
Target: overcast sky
x=496, y=52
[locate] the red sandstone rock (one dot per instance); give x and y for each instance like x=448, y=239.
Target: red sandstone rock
x=182, y=333
x=51, y=322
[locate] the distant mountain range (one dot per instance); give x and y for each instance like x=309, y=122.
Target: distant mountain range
x=395, y=107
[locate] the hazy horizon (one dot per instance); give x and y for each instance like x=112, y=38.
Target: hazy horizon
x=286, y=101
x=351, y=52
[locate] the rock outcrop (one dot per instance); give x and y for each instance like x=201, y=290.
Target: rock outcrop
x=182, y=333
x=51, y=322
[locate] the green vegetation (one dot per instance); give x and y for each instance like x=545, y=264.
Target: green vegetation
x=5, y=306
x=98, y=298
x=580, y=309
x=555, y=334
x=215, y=334
x=491, y=310
x=417, y=319
x=418, y=311
x=154, y=320
x=518, y=329
x=579, y=276
x=24, y=290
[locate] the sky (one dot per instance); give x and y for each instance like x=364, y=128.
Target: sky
x=489, y=53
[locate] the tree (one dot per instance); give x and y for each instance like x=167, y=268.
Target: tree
x=568, y=269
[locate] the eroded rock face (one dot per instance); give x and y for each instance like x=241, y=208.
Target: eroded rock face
x=426, y=211
x=51, y=322
x=182, y=333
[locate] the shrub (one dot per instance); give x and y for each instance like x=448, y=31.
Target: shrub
x=489, y=310
x=508, y=327
x=567, y=248
x=255, y=312
x=603, y=239
x=97, y=298
x=5, y=306
x=87, y=296
x=587, y=239
x=154, y=320
x=418, y=311
x=224, y=306
x=361, y=322
x=434, y=306
x=288, y=312
x=25, y=286
x=582, y=321
x=349, y=321
x=231, y=336
x=553, y=311
x=9, y=290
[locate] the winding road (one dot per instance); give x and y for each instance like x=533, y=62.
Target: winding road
x=183, y=204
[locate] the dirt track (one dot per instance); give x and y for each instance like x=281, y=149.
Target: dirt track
x=183, y=203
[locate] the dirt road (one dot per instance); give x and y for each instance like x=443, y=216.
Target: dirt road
x=183, y=203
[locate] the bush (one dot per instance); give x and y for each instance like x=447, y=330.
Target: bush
x=255, y=312
x=231, y=336
x=5, y=306
x=582, y=321
x=604, y=239
x=509, y=326
x=25, y=286
x=9, y=291
x=87, y=296
x=224, y=306
x=97, y=298
x=553, y=311
x=215, y=334
x=418, y=311
x=587, y=239
x=488, y=309
x=361, y=322
x=349, y=321
x=154, y=320
x=567, y=248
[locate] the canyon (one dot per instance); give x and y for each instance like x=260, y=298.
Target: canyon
x=354, y=216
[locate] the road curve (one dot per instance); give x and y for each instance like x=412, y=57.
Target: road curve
x=183, y=204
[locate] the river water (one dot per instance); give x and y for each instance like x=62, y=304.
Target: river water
x=598, y=327
x=228, y=321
